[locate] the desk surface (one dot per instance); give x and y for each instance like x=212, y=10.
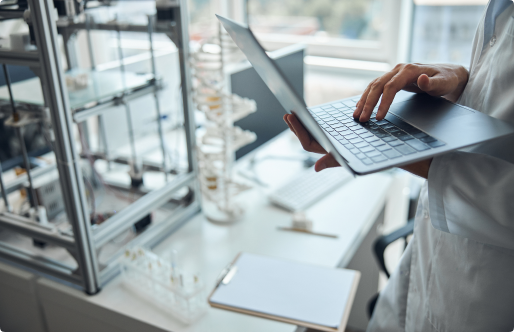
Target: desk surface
x=207, y=248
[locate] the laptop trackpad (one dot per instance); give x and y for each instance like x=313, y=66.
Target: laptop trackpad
x=424, y=111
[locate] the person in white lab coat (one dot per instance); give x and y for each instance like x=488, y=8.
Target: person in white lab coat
x=457, y=273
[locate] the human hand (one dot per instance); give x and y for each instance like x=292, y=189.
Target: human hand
x=309, y=143
x=436, y=80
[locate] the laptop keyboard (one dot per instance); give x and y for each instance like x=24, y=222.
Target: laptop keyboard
x=373, y=141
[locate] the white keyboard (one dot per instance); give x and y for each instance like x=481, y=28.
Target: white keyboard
x=309, y=187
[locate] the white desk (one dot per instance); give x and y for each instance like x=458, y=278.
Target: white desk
x=207, y=248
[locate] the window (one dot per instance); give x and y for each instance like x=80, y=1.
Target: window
x=444, y=31
x=362, y=30
x=346, y=19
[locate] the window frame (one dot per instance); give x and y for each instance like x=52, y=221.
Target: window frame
x=391, y=48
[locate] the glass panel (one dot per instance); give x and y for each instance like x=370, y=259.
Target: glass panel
x=444, y=33
x=202, y=19
x=342, y=19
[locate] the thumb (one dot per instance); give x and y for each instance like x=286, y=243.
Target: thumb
x=326, y=161
x=436, y=85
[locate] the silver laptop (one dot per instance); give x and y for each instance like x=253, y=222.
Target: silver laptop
x=416, y=127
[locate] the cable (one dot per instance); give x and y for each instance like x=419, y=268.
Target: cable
x=86, y=151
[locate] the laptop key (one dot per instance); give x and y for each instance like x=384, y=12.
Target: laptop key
x=361, y=145
x=379, y=159
x=367, y=149
x=436, y=144
x=370, y=138
x=377, y=143
x=427, y=139
x=354, y=150
x=420, y=135
x=404, y=149
x=350, y=136
x=381, y=134
x=357, y=140
x=395, y=143
x=373, y=153
x=360, y=155
x=367, y=161
x=391, y=154
x=388, y=138
x=396, y=132
x=366, y=134
x=418, y=145
x=405, y=137
x=383, y=148
x=382, y=123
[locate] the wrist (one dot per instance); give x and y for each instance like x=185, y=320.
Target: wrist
x=462, y=76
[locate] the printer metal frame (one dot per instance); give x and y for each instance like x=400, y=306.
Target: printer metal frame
x=85, y=242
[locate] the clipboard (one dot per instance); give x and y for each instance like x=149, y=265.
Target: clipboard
x=286, y=291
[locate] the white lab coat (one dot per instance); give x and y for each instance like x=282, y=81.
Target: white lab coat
x=457, y=273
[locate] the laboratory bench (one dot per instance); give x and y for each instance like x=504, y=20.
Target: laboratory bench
x=355, y=213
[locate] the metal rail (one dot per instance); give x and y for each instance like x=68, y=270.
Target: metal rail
x=29, y=228
x=38, y=263
x=70, y=174
x=83, y=115
x=20, y=58
x=123, y=220
x=20, y=181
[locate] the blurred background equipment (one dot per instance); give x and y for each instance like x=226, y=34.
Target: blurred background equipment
x=244, y=81
x=97, y=141
x=164, y=285
x=221, y=139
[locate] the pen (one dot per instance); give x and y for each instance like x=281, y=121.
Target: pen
x=306, y=231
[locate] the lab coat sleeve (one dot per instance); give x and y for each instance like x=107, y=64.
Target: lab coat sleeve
x=472, y=195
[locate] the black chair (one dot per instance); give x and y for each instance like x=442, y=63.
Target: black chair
x=382, y=242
